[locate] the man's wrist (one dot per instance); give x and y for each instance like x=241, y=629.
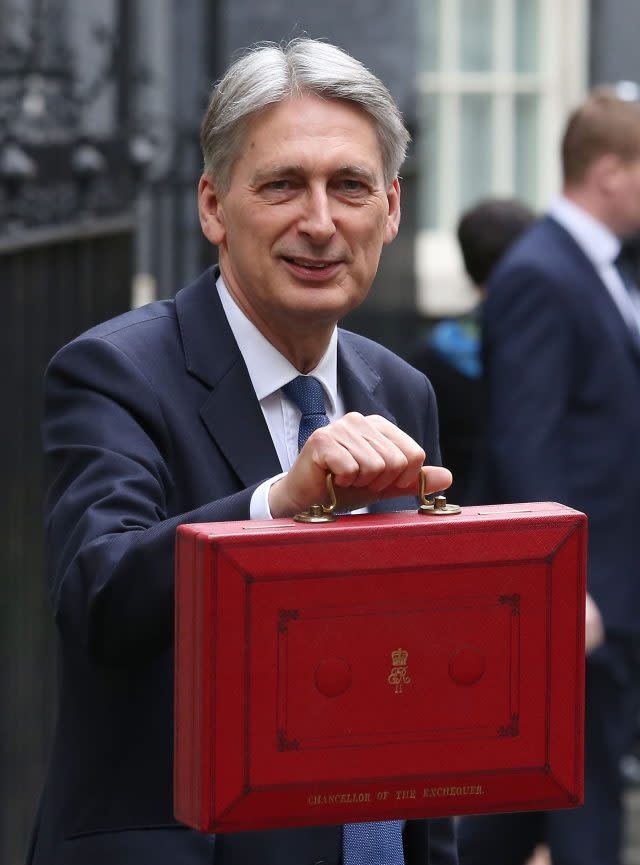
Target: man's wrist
x=259, y=508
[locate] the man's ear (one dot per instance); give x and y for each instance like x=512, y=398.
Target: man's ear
x=606, y=173
x=393, y=217
x=210, y=211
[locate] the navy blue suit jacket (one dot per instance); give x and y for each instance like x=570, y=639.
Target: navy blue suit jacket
x=151, y=421
x=562, y=372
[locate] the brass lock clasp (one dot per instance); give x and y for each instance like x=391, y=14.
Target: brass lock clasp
x=321, y=513
x=436, y=506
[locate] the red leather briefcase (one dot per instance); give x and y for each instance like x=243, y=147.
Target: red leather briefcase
x=389, y=666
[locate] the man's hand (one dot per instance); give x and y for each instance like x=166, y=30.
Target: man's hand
x=370, y=459
x=594, y=628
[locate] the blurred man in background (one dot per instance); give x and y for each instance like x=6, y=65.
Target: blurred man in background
x=562, y=366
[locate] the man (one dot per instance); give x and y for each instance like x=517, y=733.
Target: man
x=562, y=364
x=451, y=356
x=184, y=411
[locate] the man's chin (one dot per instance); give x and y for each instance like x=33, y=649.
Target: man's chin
x=329, y=303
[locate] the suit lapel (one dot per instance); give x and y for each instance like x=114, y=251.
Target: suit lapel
x=358, y=380
x=594, y=288
x=359, y=384
x=235, y=421
x=230, y=412
x=611, y=317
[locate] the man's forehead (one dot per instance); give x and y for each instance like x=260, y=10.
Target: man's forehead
x=304, y=130
x=312, y=115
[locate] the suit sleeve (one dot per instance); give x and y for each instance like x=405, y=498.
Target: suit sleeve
x=431, y=438
x=528, y=366
x=110, y=531
x=443, y=845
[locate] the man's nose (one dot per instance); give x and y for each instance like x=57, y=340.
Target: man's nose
x=317, y=217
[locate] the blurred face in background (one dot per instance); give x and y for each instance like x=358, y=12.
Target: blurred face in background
x=628, y=197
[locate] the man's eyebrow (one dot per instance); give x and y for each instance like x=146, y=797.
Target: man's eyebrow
x=274, y=172
x=358, y=171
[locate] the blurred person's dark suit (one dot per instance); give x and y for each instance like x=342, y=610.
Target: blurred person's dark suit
x=450, y=355
x=562, y=368
x=458, y=389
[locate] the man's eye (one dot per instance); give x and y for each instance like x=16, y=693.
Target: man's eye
x=278, y=185
x=352, y=185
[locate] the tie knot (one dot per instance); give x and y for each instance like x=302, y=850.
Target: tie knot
x=306, y=393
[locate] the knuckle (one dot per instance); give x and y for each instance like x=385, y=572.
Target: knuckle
x=321, y=435
x=378, y=422
x=401, y=461
x=378, y=463
x=419, y=455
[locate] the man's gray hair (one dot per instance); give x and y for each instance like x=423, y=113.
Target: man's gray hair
x=270, y=73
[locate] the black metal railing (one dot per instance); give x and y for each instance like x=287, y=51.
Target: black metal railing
x=55, y=282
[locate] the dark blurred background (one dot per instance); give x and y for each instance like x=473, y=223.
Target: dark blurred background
x=100, y=107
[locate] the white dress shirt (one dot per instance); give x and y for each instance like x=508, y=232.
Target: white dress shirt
x=269, y=371
x=601, y=247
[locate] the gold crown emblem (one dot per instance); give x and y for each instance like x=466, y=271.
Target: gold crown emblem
x=399, y=657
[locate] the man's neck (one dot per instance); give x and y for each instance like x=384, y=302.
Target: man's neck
x=591, y=204
x=303, y=344
x=303, y=347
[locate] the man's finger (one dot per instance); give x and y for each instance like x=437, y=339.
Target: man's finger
x=437, y=478
x=385, y=455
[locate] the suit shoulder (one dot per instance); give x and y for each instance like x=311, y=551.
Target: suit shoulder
x=159, y=313
x=132, y=327
x=545, y=253
x=143, y=335
x=380, y=358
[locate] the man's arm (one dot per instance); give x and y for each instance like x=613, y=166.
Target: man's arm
x=110, y=529
x=111, y=514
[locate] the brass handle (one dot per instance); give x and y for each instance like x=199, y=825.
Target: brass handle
x=436, y=506
x=321, y=513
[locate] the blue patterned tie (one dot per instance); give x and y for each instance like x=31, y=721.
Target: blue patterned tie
x=372, y=843
x=306, y=392
x=362, y=843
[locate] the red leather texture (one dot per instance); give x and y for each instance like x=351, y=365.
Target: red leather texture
x=388, y=666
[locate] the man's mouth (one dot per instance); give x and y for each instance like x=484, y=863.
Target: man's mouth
x=313, y=264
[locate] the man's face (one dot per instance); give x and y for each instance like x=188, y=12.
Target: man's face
x=302, y=226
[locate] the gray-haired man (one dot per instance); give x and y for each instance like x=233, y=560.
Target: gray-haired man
x=183, y=412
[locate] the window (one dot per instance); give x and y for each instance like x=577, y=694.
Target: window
x=497, y=79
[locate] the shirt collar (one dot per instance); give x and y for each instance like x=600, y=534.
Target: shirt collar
x=597, y=242
x=268, y=369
